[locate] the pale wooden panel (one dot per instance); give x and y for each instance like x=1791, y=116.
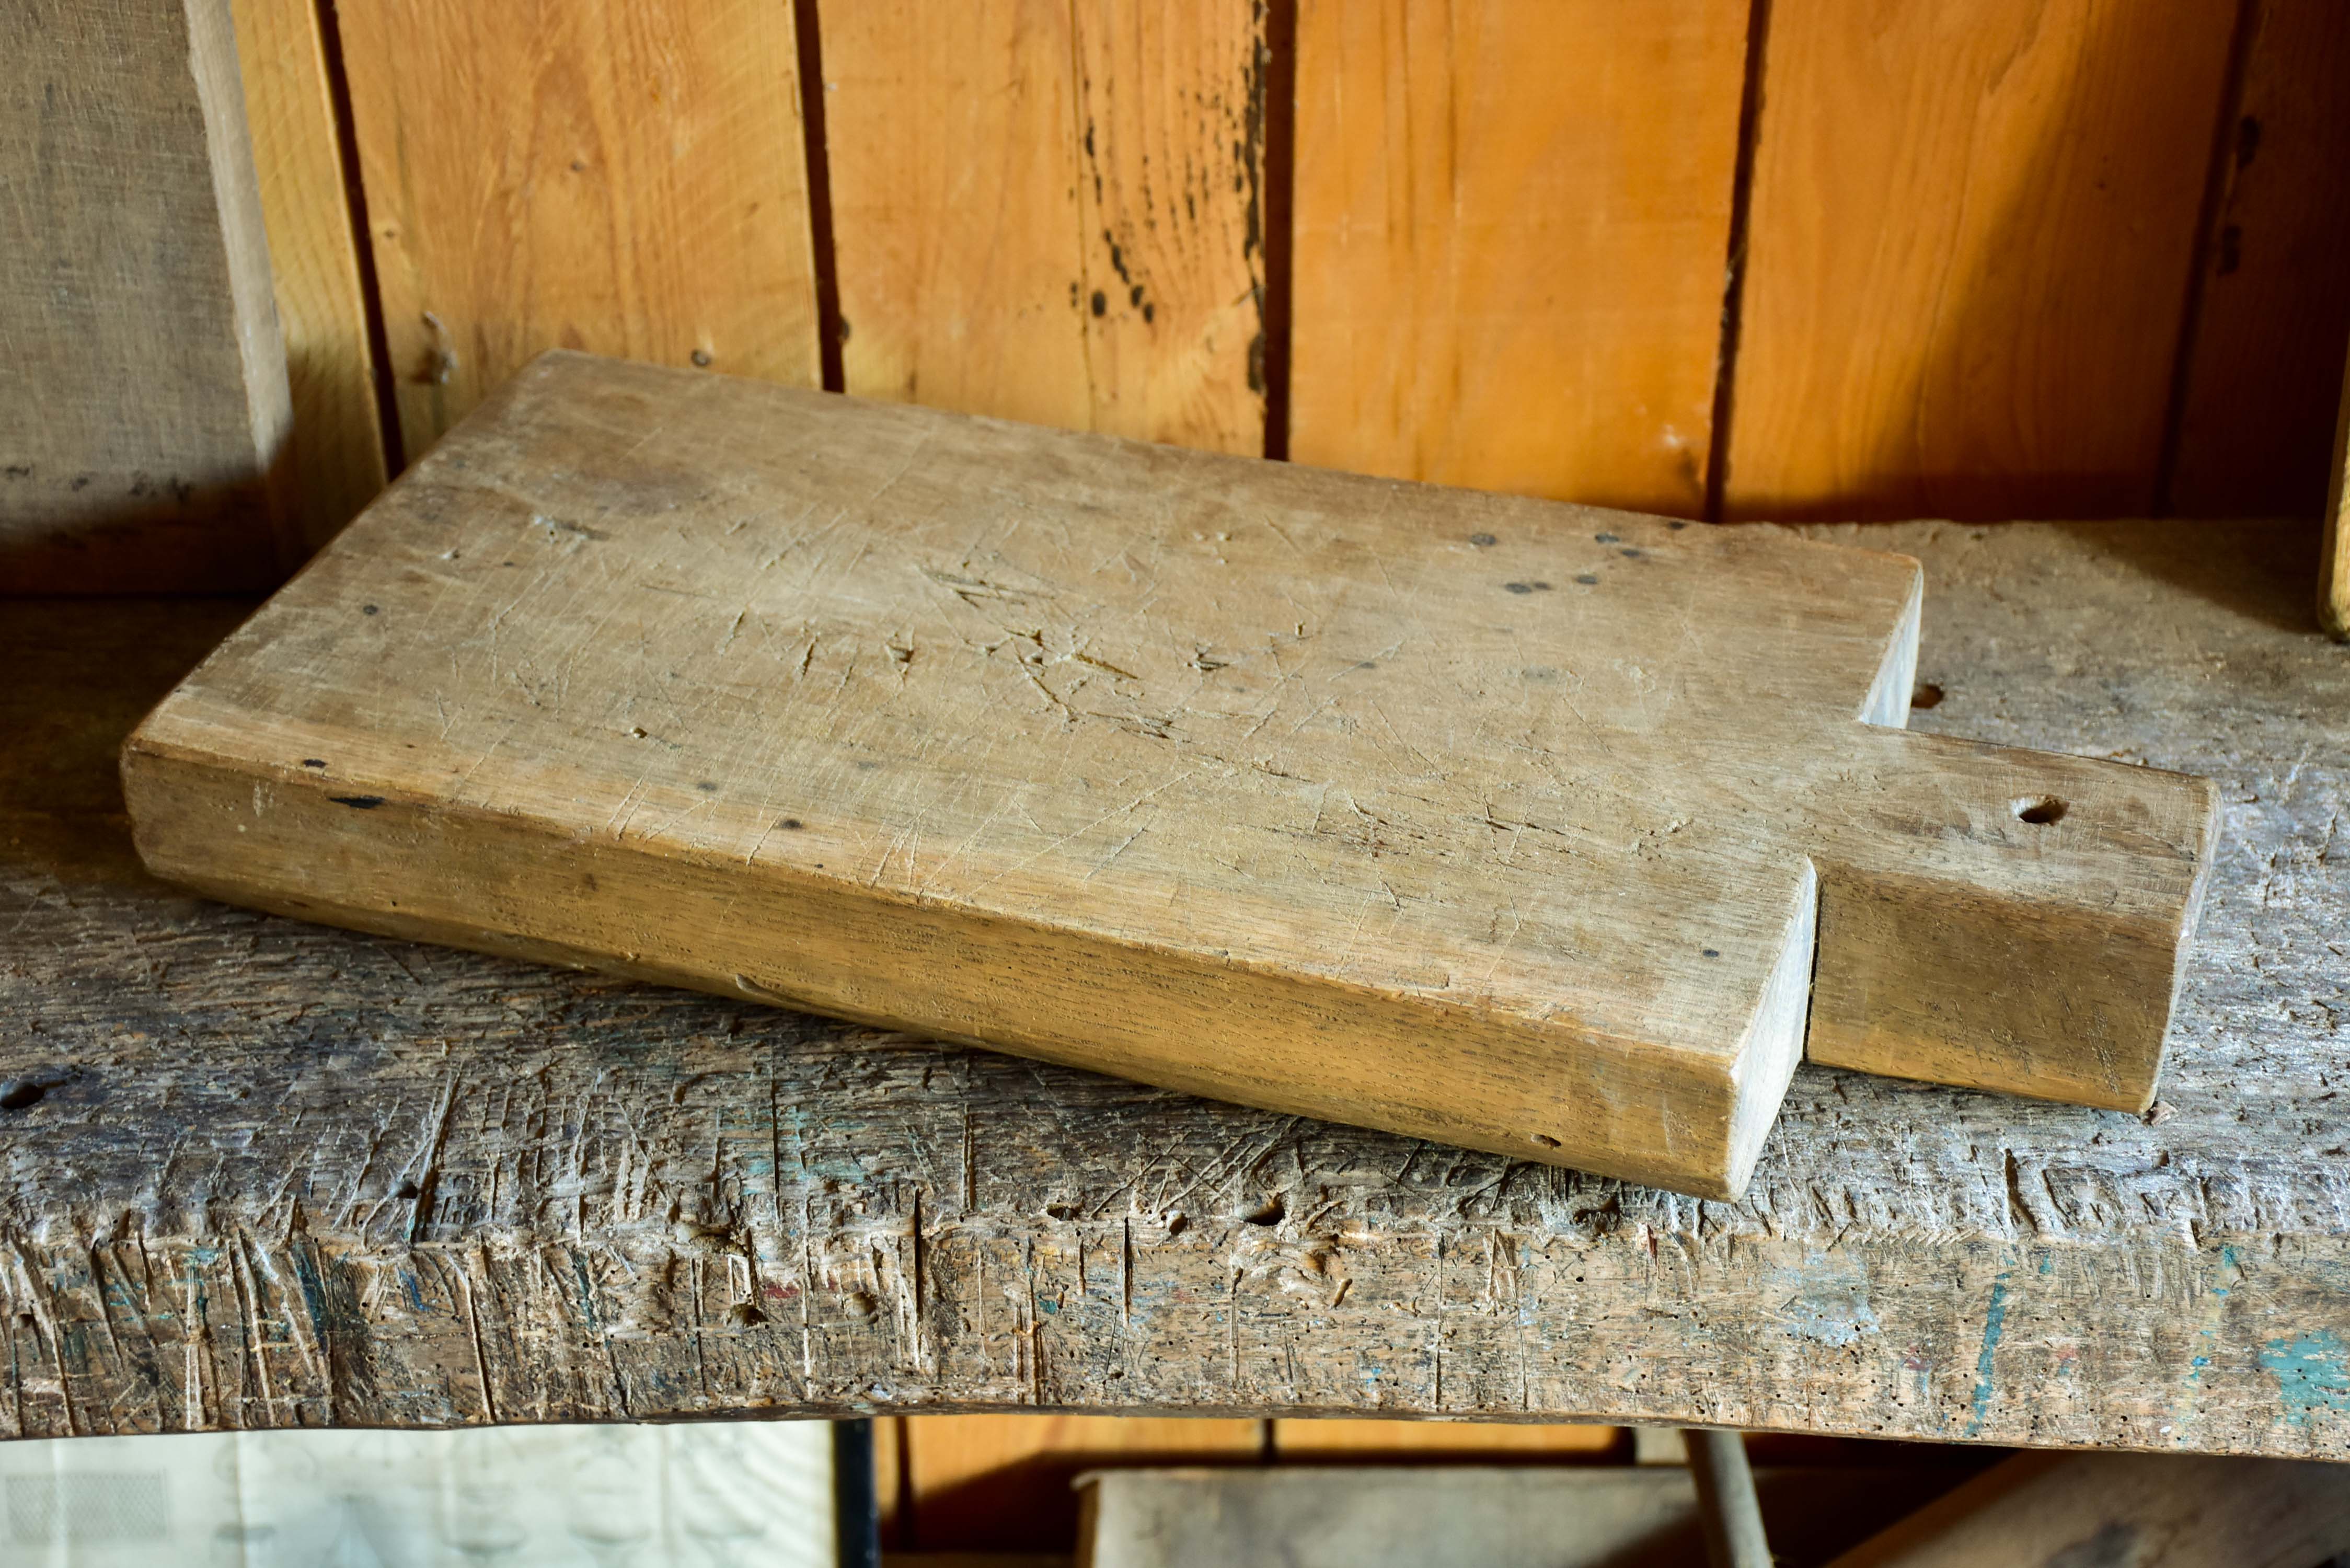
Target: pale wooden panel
x=1299, y=1439
x=1511, y=221
x=1048, y=211
x=2258, y=422
x=143, y=411
x=1972, y=228
x=626, y=176
x=1002, y=1482
x=338, y=459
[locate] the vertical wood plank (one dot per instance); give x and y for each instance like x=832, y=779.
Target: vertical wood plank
x=2256, y=426
x=144, y=418
x=1972, y=227
x=1511, y=221
x=339, y=459
x=1002, y=1482
x=1049, y=209
x=623, y=176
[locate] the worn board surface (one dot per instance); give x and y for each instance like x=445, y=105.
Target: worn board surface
x=143, y=408
x=1458, y=1516
x=264, y=1172
x=2049, y=1511
x=1303, y=789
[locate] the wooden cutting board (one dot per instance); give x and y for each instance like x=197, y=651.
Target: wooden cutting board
x=1484, y=819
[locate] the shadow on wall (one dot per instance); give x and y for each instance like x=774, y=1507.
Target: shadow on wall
x=1977, y=320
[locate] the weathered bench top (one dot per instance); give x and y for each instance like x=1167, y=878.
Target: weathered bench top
x=260, y=1173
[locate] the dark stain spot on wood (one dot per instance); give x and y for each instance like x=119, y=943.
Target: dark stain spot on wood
x=1101, y=303
x=1532, y=587
x=314, y=762
x=1630, y=553
x=1675, y=524
x=1150, y=314
x=358, y=802
x=708, y=786
x=1588, y=581
x=1482, y=540
x=2248, y=139
x=842, y=335
x=25, y=471
x=790, y=825
x=370, y=610
x=1606, y=539
x=1926, y=695
x=1134, y=294
x=1712, y=952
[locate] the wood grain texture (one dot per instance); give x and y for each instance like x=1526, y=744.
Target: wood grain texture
x=625, y=176
x=145, y=442
x=1003, y=1483
x=260, y=1172
x=1400, y=1440
x=2046, y=1511
x=1512, y=221
x=2256, y=426
x=1973, y=224
x=1051, y=210
x=1249, y=779
x=339, y=459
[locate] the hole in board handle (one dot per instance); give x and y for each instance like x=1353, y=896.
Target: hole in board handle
x=2039, y=810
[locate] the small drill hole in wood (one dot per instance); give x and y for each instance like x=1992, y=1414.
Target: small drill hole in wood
x=1926, y=695
x=2039, y=810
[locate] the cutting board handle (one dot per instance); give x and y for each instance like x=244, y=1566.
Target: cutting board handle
x=2002, y=919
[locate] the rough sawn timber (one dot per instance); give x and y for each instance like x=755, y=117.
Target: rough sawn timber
x=259, y=1172
x=1476, y=818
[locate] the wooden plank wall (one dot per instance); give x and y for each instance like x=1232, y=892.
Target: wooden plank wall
x=1725, y=259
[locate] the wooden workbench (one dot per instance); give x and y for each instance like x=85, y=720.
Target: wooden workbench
x=259, y=1173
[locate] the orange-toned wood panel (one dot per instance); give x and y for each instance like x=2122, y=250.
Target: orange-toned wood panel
x=1500, y=1442
x=1049, y=209
x=1972, y=227
x=625, y=176
x=1512, y=218
x=2256, y=431
x=1002, y=1482
x=314, y=262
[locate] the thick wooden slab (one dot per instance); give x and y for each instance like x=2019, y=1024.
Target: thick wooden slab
x=1480, y=818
